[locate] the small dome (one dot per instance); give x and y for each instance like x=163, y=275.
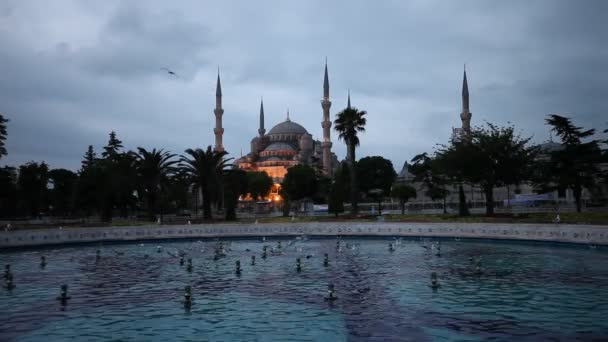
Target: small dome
x=551, y=146
x=286, y=127
x=275, y=146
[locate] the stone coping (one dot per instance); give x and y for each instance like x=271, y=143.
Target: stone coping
x=581, y=234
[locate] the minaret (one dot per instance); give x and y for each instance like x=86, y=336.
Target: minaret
x=326, y=124
x=261, y=130
x=465, y=116
x=219, y=111
x=348, y=102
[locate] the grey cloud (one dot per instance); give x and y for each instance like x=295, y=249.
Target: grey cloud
x=77, y=70
x=136, y=42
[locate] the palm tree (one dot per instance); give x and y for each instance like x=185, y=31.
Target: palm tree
x=348, y=124
x=153, y=168
x=206, y=167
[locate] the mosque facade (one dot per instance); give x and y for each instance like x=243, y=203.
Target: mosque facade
x=285, y=145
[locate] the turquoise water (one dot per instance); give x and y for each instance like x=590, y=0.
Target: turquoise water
x=134, y=292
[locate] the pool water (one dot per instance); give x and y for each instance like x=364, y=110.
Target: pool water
x=134, y=292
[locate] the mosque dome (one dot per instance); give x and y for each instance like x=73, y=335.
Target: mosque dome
x=287, y=127
x=277, y=146
x=551, y=146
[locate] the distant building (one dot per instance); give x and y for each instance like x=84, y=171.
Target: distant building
x=516, y=195
x=474, y=194
x=404, y=176
x=288, y=144
x=285, y=145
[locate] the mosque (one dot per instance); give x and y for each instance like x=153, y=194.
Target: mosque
x=285, y=145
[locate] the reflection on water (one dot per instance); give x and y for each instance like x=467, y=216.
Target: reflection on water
x=487, y=290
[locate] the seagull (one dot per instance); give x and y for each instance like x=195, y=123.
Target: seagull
x=170, y=72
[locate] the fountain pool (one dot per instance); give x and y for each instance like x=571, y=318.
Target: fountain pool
x=487, y=290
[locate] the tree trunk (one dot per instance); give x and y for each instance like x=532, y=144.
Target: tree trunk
x=152, y=205
x=445, y=210
x=462, y=202
x=286, y=207
x=380, y=207
x=489, y=191
x=196, y=201
x=577, y=191
x=106, y=214
x=206, y=203
x=402, y=208
x=230, y=202
x=353, y=180
x=220, y=197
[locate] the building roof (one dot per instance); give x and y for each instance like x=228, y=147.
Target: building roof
x=275, y=146
x=551, y=146
x=405, y=174
x=287, y=126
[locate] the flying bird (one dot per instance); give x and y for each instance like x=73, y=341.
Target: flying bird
x=170, y=72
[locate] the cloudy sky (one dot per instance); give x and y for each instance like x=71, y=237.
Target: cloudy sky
x=72, y=71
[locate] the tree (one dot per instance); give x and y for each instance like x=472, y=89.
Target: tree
x=376, y=176
x=323, y=189
x=3, y=135
x=88, y=159
x=335, y=203
x=490, y=159
x=235, y=185
x=300, y=182
x=427, y=170
x=32, y=187
x=62, y=192
x=113, y=147
x=258, y=184
x=153, y=170
x=121, y=175
x=349, y=123
x=90, y=183
x=463, y=210
x=178, y=189
x=605, y=159
x=342, y=177
x=8, y=192
x=339, y=190
x=116, y=177
x=203, y=167
x=403, y=193
x=375, y=173
x=576, y=166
